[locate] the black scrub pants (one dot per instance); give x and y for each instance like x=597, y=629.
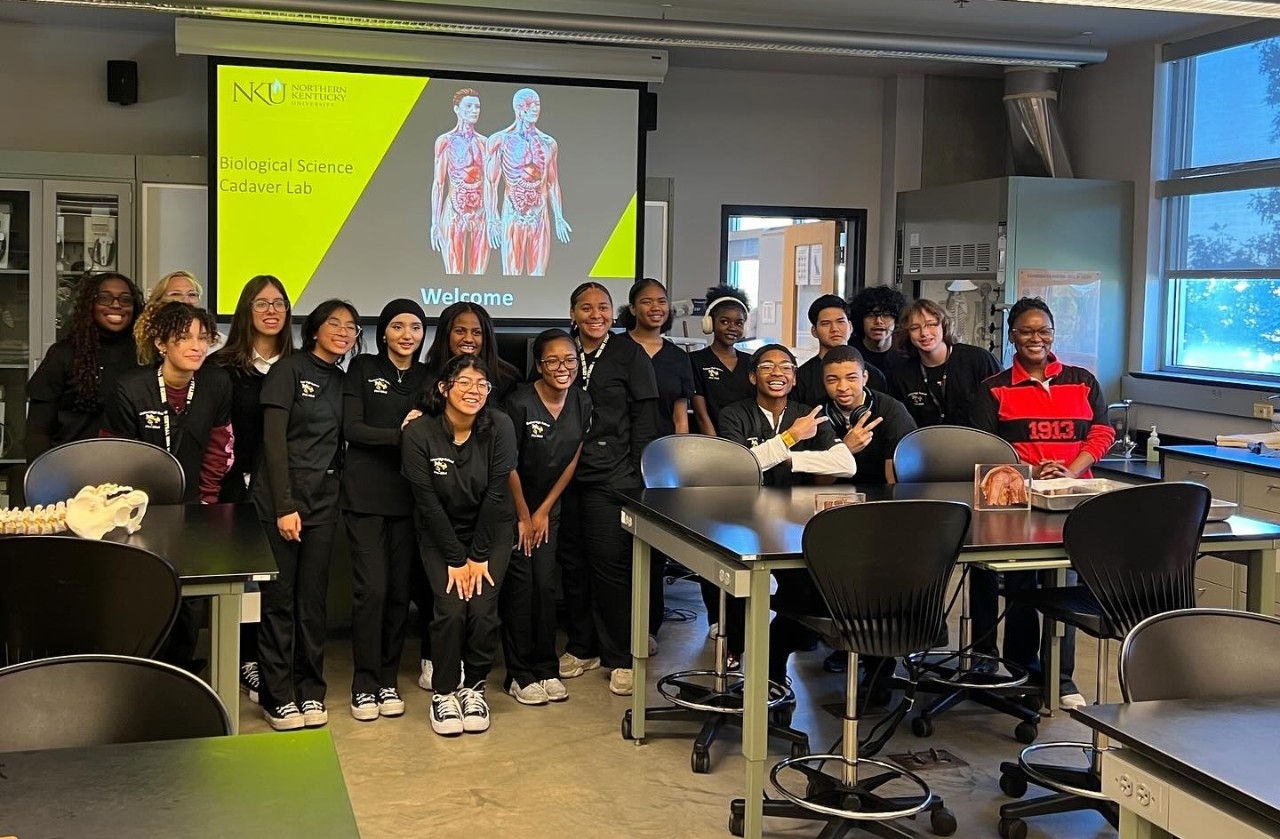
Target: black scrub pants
x=528, y=608
x=595, y=558
x=294, y=616
x=464, y=631
x=382, y=550
x=420, y=595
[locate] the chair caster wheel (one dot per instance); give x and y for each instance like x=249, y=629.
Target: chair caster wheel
x=942, y=822
x=1032, y=702
x=1013, y=829
x=700, y=762
x=799, y=750
x=736, y=824
x=626, y=726
x=1014, y=786
x=922, y=727
x=1026, y=733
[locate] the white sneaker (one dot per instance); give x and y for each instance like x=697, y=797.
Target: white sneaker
x=424, y=677
x=531, y=694
x=555, y=690
x=314, y=714
x=389, y=702
x=712, y=630
x=621, y=681
x=475, y=711
x=1070, y=701
x=653, y=646
x=364, y=707
x=285, y=717
x=571, y=667
x=446, y=714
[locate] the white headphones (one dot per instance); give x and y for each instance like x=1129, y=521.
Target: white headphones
x=708, y=325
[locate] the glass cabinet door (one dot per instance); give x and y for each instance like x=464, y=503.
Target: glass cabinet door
x=19, y=315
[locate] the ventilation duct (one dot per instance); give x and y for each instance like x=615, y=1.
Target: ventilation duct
x=537, y=25
x=1035, y=130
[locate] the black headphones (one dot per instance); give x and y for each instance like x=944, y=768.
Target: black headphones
x=859, y=411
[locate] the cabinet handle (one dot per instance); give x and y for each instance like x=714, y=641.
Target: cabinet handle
x=1197, y=472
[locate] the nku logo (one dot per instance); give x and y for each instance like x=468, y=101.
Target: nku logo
x=266, y=93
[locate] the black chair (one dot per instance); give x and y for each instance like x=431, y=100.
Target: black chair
x=948, y=453
x=696, y=460
x=1201, y=654
x=878, y=608
x=1135, y=551
x=61, y=472
x=97, y=700
x=60, y=595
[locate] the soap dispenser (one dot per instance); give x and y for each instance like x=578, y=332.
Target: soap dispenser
x=1153, y=445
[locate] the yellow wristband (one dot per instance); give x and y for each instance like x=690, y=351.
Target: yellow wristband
x=787, y=439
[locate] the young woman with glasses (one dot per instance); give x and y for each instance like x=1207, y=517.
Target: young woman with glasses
x=296, y=494
x=595, y=552
x=174, y=287
x=458, y=460
x=77, y=378
x=551, y=417
x=261, y=334
x=378, y=402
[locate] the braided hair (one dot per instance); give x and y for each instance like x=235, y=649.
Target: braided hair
x=84, y=337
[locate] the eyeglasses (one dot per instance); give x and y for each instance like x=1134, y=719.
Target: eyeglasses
x=465, y=385
x=106, y=298
x=1045, y=334
x=567, y=363
x=192, y=296
x=343, y=328
x=279, y=304
x=785, y=367
x=917, y=328
x=882, y=316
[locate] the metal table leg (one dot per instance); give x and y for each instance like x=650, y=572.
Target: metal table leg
x=639, y=631
x=755, y=722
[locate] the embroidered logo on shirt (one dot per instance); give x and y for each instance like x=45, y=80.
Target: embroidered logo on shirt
x=380, y=386
x=537, y=429
x=152, y=419
x=713, y=373
x=309, y=389
x=916, y=399
x=440, y=465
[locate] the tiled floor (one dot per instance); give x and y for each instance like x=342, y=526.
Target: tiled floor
x=564, y=770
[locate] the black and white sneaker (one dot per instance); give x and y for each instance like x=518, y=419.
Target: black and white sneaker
x=475, y=711
x=314, y=713
x=389, y=702
x=364, y=706
x=284, y=717
x=250, y=681
x=446, y=714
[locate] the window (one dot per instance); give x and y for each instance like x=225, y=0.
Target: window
x=1221, y=222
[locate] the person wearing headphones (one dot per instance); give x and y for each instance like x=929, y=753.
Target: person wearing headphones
x=721, y=374
x=829, y=323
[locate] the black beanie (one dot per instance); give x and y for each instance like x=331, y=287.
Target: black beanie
x=397, y=307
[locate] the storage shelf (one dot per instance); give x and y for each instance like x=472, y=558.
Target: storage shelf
x=13, y=367
x=14, y=271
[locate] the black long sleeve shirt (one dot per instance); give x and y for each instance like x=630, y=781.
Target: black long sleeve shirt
x=376, y=396
x=52, y=415
x=624, y=393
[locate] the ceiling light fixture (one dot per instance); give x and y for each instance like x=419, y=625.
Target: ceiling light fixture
x=1234, y=8
x=526, y=24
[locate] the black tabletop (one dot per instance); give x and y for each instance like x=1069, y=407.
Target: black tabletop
x=767, y=522
x=1136, y=468
x=279, y=785
x=1221, y=744
x=213, y=543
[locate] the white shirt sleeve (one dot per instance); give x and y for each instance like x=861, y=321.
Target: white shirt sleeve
x=771, y=452
x=836, y=461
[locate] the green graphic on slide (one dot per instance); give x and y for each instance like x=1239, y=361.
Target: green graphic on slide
x=296, y=149
x=618, y=258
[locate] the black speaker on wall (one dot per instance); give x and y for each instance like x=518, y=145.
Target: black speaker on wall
x=122, y=82
x=649, y=110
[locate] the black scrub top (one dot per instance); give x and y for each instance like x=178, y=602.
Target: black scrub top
x=675, y=382
x=895, y=423
x=812, y=390
x=943, y=394
x=744, y=423
x=139, y=413
x=376, y=396
x=310, y=390
x=52, y=416
x=246, y=421
x=719, y=385
x=462, y=501
x=546, y=445
x=619, y=379
x=886, y=361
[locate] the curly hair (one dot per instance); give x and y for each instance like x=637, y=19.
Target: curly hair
x=155, y=299
x=872, y=299
x=84, y=335
x=717, y=291
x=170, y=321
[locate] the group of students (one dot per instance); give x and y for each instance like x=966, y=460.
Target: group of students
x=463, y=487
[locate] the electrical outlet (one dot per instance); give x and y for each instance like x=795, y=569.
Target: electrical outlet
x=1263, y=410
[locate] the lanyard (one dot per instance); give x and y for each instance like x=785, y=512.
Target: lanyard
x=164, y=403
x=942, y=386
x=586, y=368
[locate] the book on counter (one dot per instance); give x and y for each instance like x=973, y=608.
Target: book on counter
x=1270, y=439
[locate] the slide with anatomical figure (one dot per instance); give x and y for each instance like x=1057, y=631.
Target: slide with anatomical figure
x=370, y=185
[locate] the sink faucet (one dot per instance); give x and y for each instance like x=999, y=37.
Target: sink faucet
x=1124, y=444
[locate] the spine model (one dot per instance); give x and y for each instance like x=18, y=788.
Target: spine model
x=34, y=521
